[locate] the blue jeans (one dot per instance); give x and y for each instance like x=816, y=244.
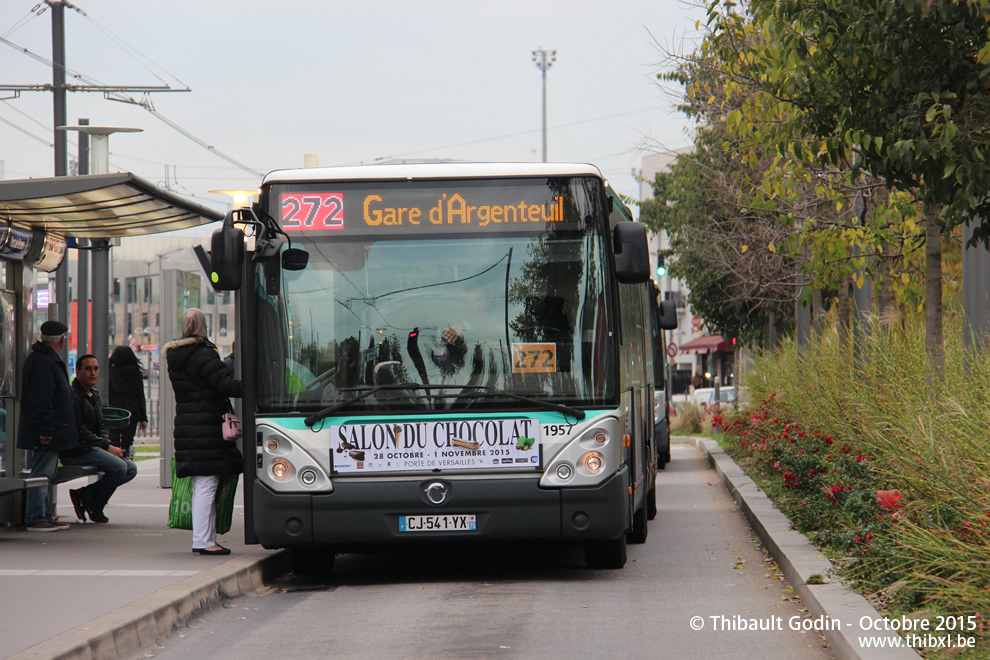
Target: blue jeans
x=36, y=503
x=116, y=472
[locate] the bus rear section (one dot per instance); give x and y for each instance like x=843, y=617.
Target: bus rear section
x=465, y=356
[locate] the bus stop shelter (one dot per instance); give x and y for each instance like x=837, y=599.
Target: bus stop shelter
x=40, y=220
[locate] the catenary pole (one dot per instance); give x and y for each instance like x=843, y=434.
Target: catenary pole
x=61, y=158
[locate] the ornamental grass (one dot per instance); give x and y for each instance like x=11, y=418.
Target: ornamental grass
x=885, y=469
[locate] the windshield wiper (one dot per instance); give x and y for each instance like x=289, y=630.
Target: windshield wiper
x=313, y=419
x=326, y=412
x=556, y=407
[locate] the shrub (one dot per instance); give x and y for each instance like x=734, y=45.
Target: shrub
x=889, y=429
x=689, y=418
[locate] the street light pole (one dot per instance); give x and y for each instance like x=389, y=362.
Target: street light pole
x=544, y=60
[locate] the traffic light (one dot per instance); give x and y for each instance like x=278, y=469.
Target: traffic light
x=661, y=267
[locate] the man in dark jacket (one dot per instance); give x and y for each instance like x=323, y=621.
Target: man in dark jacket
x=95, y=448
x=48, y=422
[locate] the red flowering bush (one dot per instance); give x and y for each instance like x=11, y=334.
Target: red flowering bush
x=913, y=527
x=827, y=491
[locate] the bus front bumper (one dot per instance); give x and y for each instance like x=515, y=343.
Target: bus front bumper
x=366, y=511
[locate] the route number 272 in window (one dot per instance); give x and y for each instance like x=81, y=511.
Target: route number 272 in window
x=312, y=211
x=534, y=358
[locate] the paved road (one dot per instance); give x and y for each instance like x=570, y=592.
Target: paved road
x=531, y=601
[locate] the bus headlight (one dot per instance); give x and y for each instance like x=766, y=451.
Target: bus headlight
x=286, y=466
x=593, y=462
x=592, y=454
x=281, y=469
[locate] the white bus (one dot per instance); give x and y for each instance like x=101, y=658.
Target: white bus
x=469, y=352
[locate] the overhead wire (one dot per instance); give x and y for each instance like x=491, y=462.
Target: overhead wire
x=145, y=103
x=134, y=53
x=26, y=132
x=35, y=12
x=149, y=107
x=511, y=135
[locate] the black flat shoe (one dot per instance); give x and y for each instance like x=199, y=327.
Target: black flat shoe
x=207, y=551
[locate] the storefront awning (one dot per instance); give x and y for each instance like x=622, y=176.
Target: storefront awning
x=708, y=344
x=98, y=206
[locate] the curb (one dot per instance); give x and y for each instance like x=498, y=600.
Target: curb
x=137, y=625
x=798, y=559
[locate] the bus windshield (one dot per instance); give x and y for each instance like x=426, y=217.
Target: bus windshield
x=421, y=316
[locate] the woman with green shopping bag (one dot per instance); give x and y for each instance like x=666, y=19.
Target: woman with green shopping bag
x=202, y=385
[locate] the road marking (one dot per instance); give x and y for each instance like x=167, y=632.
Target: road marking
x=24, y=572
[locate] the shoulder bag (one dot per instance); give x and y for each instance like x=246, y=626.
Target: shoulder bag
x=231, y=425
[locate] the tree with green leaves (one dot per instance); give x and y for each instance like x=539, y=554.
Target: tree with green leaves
x=739, y=213
x=897, y=89
x=736, y=289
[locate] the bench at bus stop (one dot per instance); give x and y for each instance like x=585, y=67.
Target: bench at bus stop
x=64, y=474
x=113, y=418
x=10, y=485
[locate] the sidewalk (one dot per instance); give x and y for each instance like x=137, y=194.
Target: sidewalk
x=61, y=591
x=107, y=591
x=799, y=560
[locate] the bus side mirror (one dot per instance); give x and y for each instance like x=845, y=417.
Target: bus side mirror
x=632, y=255
x=668, y=315
x=226, y=256
x=294, y=259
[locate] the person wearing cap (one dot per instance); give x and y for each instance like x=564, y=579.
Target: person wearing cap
x=48, y=420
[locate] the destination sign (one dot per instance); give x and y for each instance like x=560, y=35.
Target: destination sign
x=394, y=210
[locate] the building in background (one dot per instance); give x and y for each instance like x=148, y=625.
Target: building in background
x=135, y=304
x=135, y=297
x=695, y=355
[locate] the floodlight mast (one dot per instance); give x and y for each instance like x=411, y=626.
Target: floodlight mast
x=544, y=60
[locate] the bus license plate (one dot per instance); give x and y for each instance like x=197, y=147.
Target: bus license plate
x=462, y=523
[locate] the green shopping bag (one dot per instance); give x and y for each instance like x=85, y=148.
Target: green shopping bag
x=180, y=507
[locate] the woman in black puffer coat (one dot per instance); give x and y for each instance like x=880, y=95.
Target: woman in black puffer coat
x=202, y=385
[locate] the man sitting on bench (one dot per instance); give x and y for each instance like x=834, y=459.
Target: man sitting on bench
x=95, y=448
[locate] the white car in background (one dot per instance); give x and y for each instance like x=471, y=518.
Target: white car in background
x=727, y=395
x=702, y=396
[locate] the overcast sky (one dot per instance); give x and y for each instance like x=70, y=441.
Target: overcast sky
x=352, y=82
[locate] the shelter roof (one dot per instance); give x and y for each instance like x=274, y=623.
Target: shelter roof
x=708, y=344
x=98, y=206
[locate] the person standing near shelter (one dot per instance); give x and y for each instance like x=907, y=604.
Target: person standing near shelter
x=202, y=385
x=127, y=392
x=95, y=448
x=229, y=361
x=48, y=420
